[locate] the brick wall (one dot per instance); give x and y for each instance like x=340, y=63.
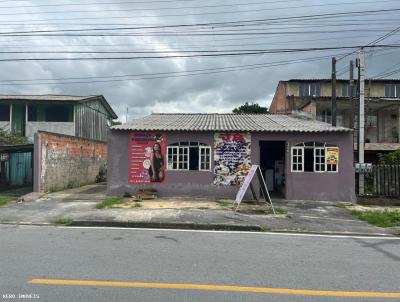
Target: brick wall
x=279, y=102
x=63, y=161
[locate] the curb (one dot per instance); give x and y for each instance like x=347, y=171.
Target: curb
x=168, y=225
x=211, y=227
x=193, y=226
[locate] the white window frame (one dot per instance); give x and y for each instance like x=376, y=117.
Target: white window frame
x=205, y=155
x=302, y=147
x=321, y=163
x=178, y=153
x=297, y=155
x=326, y=165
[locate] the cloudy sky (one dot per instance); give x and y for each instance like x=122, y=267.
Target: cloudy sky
x=185, y=55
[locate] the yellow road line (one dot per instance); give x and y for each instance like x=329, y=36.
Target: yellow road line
x=210, y=287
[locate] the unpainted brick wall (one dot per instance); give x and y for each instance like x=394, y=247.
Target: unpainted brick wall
x=68, y=161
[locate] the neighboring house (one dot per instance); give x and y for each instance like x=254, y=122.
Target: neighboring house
x=312, y=98
x=210, y=154
x=81, y=116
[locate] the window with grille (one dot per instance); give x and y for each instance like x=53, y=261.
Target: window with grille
x=309, y=89
x=312, y=157
x=205, y=158
x=297, y=159
x=189, y=156
x=319, y=159
x=392, y=90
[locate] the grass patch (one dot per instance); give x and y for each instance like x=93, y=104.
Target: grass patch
x=379, y=218
x=63, y=221
x=4, y=199
x=136, y=205
x=109, y=202
x=278, y=211
x=225, y=204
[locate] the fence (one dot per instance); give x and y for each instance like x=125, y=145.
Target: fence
x=384, y=180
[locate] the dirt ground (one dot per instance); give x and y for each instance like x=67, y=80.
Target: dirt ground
x=164, y=203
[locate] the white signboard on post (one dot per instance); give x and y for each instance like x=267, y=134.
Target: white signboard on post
x=255, y=169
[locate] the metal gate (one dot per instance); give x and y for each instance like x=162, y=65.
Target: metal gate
x=16, y=167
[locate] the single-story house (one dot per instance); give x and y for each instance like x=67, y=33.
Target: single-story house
x=208, y=155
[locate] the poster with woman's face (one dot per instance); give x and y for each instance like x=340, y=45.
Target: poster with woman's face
x=147, y=157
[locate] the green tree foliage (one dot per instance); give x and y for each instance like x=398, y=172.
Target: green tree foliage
x=391, y=158
x=7, y=138
x=250, y=108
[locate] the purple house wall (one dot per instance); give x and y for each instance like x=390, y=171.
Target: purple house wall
x=328, y=186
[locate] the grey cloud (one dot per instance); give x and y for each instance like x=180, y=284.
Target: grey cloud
x=201, y=93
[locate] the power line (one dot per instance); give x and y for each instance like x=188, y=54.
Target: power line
x=387, y=35
x=137, y=77
x=192, y=33
x=211, y=55
x=198, y=7
x=327, y=15
x=282, y=50
x=152, y=2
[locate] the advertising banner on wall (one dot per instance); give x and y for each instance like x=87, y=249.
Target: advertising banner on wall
x=232, y=158
x=332, y=155
x=147, y=157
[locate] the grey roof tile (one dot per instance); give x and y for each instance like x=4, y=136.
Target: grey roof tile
x=226, y=122
x=46, y=97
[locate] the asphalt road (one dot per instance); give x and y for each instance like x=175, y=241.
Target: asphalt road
x=168, y=265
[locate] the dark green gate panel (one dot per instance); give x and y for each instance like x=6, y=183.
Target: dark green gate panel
x=20, y=169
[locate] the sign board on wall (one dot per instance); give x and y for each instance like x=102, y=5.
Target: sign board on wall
x=147, y=157
x=232, y=158
x=332, y=155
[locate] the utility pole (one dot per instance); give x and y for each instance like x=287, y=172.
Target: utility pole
x=334, y=91
x=351, y=85
x=127, y=113
x=361, y=121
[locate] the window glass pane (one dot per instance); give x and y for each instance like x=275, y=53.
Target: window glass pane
x=390, y=90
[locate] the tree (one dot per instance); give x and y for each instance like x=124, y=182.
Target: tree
x=250, y=108
x=7, y=138
x=391, y=158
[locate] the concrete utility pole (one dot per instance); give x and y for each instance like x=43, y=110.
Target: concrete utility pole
x=127, y=113
x=351, y=85
x=361, y=121
x=334, y=91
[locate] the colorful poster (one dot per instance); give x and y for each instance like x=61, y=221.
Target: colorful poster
x=232, y=158
x=332, y=155
x=147, y=157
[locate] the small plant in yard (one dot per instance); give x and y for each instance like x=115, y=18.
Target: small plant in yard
x=109, y=202
x=136, y=205
x=379, y=218
x=5, y=199
x=63, y=221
